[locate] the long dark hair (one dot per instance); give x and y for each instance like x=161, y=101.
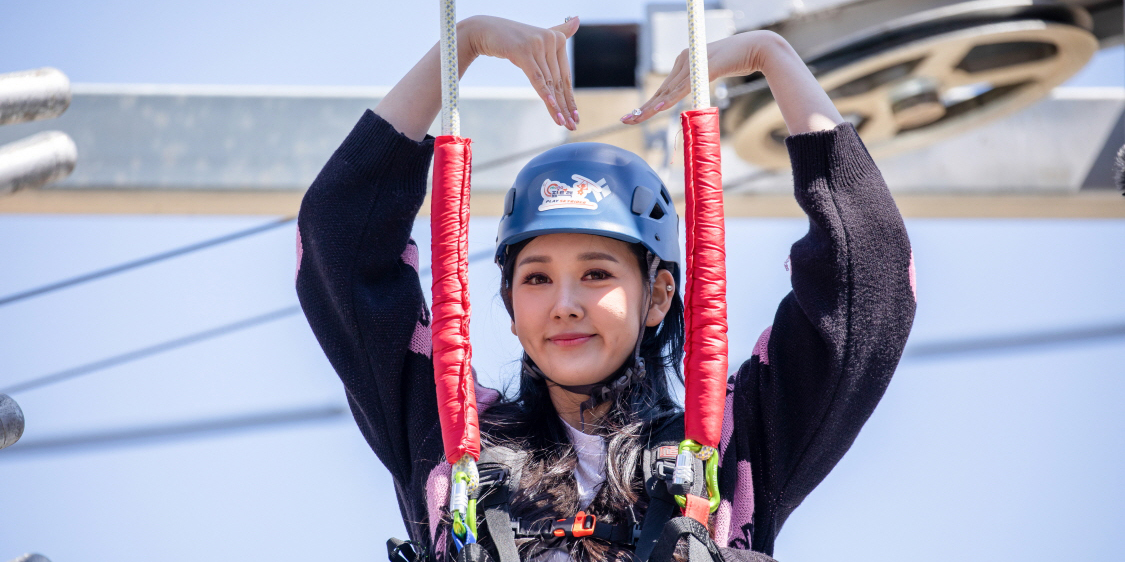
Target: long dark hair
x=528, y=422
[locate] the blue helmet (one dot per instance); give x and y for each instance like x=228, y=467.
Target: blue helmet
x=590, y=188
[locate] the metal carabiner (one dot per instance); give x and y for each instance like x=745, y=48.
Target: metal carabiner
x=685, y=471
x=463, y=490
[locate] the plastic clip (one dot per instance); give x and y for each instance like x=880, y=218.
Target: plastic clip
x=581, y=525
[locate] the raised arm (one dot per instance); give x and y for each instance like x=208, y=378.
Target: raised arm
x=817, y=374
x=357, y=267
x=413, y=104
x=804, y=105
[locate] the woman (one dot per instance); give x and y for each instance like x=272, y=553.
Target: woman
x=596, y=308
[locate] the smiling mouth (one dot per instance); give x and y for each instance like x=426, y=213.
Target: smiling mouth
x=570, y=340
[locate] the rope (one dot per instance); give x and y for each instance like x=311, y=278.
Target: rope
x=705, y=310
x=450, y=118
x=697, y=55
x=151, y=350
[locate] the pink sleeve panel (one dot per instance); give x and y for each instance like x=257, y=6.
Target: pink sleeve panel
x=705, y=315
x=449, y=244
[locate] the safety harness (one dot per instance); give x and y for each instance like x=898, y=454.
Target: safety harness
x=500, y=470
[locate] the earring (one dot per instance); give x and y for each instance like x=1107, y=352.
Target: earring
x=670, y=288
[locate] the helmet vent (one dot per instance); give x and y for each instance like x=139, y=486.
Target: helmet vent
x=664, y=194
x=642, y=198
x=657, y=213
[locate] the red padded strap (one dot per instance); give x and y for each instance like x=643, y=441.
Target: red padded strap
x=705, y=297
x=697, y=508
x=449, y=244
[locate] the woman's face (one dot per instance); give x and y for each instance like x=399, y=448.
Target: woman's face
x=577, y=302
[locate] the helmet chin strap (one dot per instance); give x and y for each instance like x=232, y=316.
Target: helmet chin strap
x=609, y=388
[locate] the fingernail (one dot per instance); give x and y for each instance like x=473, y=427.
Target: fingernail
x=573, y=125
x=658, y=106
x=626, y=116
x=576, y=119
x=561, y=120
x=551, y=99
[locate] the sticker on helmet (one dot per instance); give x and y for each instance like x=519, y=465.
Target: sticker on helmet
x=558, y=195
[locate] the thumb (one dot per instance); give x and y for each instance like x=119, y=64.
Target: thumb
x=568, y=28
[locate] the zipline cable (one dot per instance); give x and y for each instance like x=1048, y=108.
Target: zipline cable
x=936, y=350
x=176, y=431
x=151, y=350
x=179, y=342
x=1010, y=342
x=120, y=268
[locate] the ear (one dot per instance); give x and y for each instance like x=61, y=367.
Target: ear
x=661, y=298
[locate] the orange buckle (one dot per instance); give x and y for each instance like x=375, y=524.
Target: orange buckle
x=581, y=525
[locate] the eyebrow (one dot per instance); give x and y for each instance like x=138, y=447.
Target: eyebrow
x=534, y=259
x=588, y=256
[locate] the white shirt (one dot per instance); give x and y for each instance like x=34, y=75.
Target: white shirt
x=590, y=475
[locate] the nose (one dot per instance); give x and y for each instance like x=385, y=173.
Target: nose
x=567, y=303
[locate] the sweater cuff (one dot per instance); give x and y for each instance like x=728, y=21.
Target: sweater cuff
x=375, y=147
x=838, y=154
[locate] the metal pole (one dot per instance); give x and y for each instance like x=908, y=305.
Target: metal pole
x=31, y=95
x=37, y=160
x=11, y=421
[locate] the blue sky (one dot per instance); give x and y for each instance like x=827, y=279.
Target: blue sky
x=1003, y=456
x=334, y=42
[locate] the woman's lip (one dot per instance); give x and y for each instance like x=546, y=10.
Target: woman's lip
x=568, y=340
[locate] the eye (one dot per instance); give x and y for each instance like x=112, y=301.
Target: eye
x=535, y=279
x=598, y=275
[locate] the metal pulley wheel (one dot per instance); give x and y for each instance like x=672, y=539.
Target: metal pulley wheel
x=911, y=92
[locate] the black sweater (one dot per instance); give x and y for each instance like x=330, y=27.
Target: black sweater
x=793, y=409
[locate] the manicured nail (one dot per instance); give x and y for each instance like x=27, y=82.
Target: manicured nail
x=658, y=106
x=627, y=116
x=573, y=125
x=551, y=99
x=576, y=119
x=561, y=120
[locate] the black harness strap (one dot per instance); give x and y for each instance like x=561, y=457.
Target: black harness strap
x=658, y=462
x=500, y=470
x=659, y=512
x=700, y=545
x=582, y=525
x=473, y=552
x=499, y=522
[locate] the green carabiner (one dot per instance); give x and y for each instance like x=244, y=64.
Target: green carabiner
x=467, y=521
x=464, y=485
x=710, y=474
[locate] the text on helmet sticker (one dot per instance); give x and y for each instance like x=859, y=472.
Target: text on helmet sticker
x=558, y=195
